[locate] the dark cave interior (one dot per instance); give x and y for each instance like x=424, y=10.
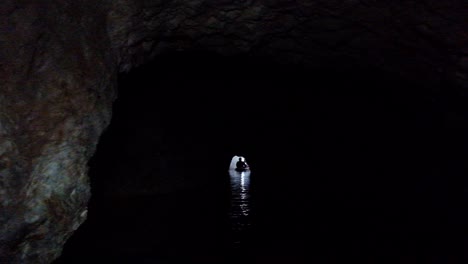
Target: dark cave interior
x=349, y=163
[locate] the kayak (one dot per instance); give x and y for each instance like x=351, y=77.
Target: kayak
x=242, y=169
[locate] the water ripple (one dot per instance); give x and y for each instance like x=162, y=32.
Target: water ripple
x=240, y=202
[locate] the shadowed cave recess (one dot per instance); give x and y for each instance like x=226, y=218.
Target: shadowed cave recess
x=347, y=165
x=118, y=120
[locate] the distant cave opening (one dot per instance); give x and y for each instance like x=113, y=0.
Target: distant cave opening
x=194, y=111
x=350, y=143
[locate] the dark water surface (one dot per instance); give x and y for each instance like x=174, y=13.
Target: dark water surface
x=240, y=207
x=215, y=223
x=271, y=217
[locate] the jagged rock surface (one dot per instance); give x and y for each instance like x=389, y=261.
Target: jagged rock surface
x=59, y=61
x=56, y=93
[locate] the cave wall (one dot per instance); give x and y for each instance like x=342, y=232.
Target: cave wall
x=59, y=62
x=423, y=39
x=56, y=92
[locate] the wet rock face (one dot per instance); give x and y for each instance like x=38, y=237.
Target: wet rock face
x=58, y=65
x=57, y=80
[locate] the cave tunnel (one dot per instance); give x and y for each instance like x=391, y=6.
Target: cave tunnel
x=119, y=119
x=348, y=164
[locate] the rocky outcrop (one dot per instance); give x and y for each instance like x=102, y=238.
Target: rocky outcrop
x=57, y=79
x=59, y=61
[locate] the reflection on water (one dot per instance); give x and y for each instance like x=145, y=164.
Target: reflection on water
x=240, y=203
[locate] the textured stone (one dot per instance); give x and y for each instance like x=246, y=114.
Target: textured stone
x=57, y=87
x=58, y=66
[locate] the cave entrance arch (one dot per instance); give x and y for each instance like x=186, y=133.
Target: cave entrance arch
x=198, y=109
x=187, y=112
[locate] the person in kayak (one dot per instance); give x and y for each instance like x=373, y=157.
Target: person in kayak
x=241, y=164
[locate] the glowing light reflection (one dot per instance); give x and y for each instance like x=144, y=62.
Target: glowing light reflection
x=240, y=190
